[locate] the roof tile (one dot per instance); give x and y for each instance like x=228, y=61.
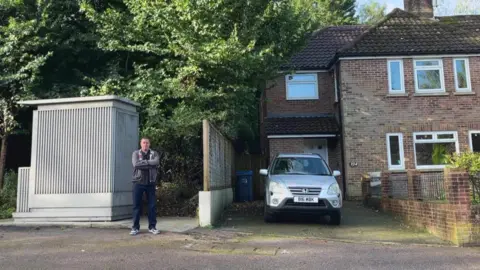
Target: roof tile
x=301, y=125
x=322, y=46
x=399, y=33
x=403, y=33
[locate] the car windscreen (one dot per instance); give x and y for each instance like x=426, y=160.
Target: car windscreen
x=301, y=166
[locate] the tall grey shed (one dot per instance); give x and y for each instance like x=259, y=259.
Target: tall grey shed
x=80, y=166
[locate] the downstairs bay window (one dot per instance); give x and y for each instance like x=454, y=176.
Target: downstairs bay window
x=432, y=148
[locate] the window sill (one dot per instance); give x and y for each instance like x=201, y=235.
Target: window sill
x=302, y=99
x=397, y=95
x=397, y=170
x=429, y=170
x=431, y=94
x=464, y=93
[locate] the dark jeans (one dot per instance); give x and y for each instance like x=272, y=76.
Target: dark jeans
x=138, y=190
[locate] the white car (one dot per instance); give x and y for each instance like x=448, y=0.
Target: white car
x=302, y=183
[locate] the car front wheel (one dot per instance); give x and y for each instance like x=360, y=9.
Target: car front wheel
x=335, y=218
x=268, y=216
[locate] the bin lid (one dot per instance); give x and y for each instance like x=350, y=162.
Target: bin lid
x=244, y=173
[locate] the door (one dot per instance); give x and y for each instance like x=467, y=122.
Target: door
x=317, y=146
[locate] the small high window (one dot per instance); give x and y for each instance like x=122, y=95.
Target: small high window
x=462, y=75
x=395, y=151
x=396, y=84
x=474, y=139
x=302, y=86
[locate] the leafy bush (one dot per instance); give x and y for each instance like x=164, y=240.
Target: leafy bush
x=469, y=161
x=8, y=195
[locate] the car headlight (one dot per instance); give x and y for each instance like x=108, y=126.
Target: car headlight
x=334, y=189
x=277, y=188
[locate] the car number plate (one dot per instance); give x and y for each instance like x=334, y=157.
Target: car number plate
x=305, y=199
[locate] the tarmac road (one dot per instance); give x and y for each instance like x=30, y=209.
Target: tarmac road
x=55, y=248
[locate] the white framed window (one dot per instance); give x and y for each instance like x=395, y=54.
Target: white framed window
x=474, y=140
x=301, y=86
x=432, y=148
x=396, y=80
x=395, y=151
x=461, y=68
x=429, y=76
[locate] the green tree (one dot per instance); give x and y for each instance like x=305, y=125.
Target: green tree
x=469, y=161
x=195, y=60
x=48, y=49
x=21, y=60
x=467, y=7
x=328, y=12
x=372, y=12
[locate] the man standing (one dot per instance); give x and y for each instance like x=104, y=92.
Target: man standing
x=145, y=162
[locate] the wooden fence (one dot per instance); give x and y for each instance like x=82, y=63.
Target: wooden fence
x=245, y=162
x=218, y=159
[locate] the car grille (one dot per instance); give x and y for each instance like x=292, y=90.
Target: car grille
x=290, y=202
x=305, y=191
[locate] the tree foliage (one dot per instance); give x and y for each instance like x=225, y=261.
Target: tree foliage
x=371, y=12
x=469, y=161
x=47, y=49
x=467, y=7
x=328, y=12
x=21, y=58
x=195, y=60
x=182, y=60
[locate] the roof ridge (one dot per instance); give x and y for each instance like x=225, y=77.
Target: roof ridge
x=458, y=16
x=369, y=30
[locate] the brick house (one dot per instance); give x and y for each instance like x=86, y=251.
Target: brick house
x=395, y=96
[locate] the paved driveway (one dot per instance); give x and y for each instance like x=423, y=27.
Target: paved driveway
x=359, y=224
x=93, y=248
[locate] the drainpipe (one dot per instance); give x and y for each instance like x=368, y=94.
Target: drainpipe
x=344, y=176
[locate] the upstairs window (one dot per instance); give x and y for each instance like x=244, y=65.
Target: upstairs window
x=462, y=75
x=429, y=76
x=301, y=86
x=396, y=84
x=432, y=148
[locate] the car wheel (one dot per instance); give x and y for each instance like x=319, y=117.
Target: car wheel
x=267, y=216
x=335, y=218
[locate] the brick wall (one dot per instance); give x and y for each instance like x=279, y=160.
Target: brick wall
x=454, y=220
x=369, y=113
x=286, y=146
x=276, y=98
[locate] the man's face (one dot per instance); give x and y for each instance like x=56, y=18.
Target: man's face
x=145, y=144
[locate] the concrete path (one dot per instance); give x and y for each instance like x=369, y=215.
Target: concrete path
x=92, y=248
x=165, y=224
x=359, y=224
